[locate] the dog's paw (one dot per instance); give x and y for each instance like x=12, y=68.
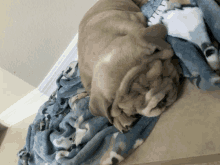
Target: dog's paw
x=123, y=123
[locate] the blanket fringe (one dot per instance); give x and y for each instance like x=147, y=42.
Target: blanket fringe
x=24, y=156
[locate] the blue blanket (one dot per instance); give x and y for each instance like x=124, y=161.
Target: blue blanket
x=191, y=59
x=65, y=132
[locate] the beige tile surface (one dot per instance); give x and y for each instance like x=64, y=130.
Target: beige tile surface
x=198, y=160
x=14, y=141
x=12, y=89
x=212, y=163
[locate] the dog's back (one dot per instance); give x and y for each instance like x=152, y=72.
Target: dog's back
x=106, y=21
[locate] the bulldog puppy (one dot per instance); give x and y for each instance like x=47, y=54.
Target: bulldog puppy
x=113, y=40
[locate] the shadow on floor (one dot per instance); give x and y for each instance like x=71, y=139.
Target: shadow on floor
x=3, y=131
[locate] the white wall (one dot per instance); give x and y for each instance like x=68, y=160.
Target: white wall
x=34, y=34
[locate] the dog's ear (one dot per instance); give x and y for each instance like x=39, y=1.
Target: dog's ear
x=100, y=106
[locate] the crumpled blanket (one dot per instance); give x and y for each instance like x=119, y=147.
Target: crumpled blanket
x=64, y=132
x=190, y=56
x=125, y=66
x=194, y=65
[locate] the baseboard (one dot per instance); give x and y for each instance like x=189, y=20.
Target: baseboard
x=25, y=107
x=30, y=104
x=48, y=85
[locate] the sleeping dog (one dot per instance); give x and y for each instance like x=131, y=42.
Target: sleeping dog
x=115, y=46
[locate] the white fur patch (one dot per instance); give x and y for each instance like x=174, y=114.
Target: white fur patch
x=80, y=120
x=80, y=133
x=187, y=24
x=87, y=126
x=108, y=161
x=138, y=143
x=213, y=59
x=148, y=95
x=71, y=102
x=63, y=142
x=61, y=154
x=107, y=58
x=115, y=134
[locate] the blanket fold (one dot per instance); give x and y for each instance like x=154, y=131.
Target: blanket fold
x=65, y=135
x=196, y=45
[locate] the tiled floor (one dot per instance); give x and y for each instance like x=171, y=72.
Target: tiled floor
x=14, y=141
x=213, y=163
